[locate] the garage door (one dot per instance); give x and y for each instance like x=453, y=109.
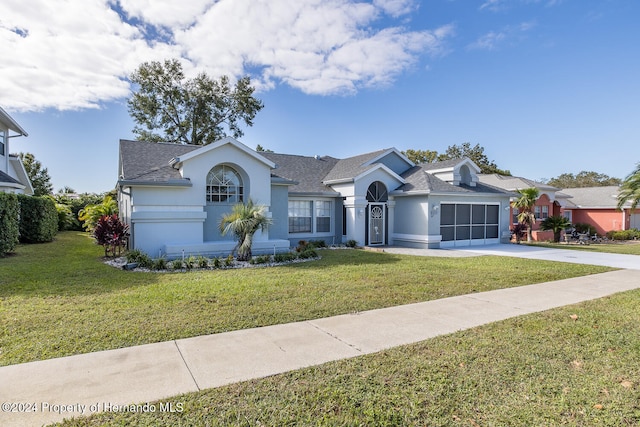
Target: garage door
x=464, y=224
x=635, y=221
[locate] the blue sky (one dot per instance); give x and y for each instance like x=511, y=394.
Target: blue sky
x=546, y=87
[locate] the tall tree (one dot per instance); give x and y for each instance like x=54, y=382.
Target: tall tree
x=168, y=107
x=583, y=179
x=421, y=156
x=476, y=154
x=39, y=176
x=630, y=189
x=525, y=203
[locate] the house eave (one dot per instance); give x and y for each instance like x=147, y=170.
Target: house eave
x=144, y=183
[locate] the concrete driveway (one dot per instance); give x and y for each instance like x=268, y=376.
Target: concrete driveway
x=563, y=255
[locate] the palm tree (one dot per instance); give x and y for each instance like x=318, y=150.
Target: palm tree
x=525, y=203
x=630, y=189
x=243, y=221
x=556, y=224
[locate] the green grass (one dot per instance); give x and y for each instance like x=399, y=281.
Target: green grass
x=628, y=248
x=59, y=299
x=544, y=369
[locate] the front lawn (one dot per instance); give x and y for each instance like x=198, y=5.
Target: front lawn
x=60, y=299
x=631, y=247
x=573, y=366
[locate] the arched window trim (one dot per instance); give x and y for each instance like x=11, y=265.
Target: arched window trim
x=224, y=185
x=377, y=192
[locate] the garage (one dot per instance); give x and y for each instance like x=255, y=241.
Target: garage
x=464, y=224
x=634, y=221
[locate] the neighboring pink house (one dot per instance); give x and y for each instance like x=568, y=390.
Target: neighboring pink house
x=597, y=206
x=549, y=202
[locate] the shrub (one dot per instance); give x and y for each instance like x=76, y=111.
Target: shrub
x=65, y=217
x=261, y=259
x=111, y=233
x=160, y=264
x=91, y=214
x=38, y=219
x=307, y=254
x=519, y=231
x=228, y=261
x=177, y=264
x=351, y=244
x=9, y=223
x=216, y=263
x=284, y=257
x=134, y=255
x=203, y=262
x=631, y=234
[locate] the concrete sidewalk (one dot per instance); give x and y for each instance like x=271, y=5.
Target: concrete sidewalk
x=43, y=392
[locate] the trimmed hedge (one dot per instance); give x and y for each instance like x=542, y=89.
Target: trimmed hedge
x=9, y=223
x=38, y=219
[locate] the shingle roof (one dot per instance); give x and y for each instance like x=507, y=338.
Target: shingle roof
x=306, y=172
x=149, y=161
x=440, y=165
x=418, y=179
x=351, y=166
x=513, y=183
x=5, y=178
x=593, y=197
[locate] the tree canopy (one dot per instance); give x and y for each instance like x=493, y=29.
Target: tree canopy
x=168, y=107
x=39, y=176
x=583, y=179
x=475, y=153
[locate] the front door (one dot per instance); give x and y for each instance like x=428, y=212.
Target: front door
x=376, y=224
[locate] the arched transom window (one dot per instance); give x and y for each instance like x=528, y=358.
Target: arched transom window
x=377, y=192
x=224, y=184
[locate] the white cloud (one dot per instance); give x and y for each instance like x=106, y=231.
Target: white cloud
x=76, y=54
x=494, y=39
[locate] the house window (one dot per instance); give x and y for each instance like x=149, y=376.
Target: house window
x=323, y=217
x=545, y=212
x=307, y=216
x=299, y=216
x=1, y=143
x=567, y=214
x=536, y=212
x=224, y=185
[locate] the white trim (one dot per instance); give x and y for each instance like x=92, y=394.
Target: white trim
x=386, y=153
x=175, y=162
x=417, y=238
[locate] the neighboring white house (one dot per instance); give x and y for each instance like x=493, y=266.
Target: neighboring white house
x=173, y=196
x=13, y=176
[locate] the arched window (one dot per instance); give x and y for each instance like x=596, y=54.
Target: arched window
x=224, y=184
x=377, y=192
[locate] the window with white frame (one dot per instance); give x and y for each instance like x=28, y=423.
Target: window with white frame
x=300, y=216
x=323, y=216
x=306, y=216
x=545, y=212
x=224, y=185
x=536, y=212
x=2, y=143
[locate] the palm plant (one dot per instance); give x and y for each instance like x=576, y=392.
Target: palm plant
x=243, y=221
x=630, y=189
x=525, y=203
x=556, y=224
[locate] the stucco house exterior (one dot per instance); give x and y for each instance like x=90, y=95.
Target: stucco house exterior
x=13, y=176
x=173, y=196
x=549, y=203
x=598, y=206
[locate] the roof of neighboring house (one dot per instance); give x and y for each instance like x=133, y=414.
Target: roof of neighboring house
x=306, y=173
x=592, y=197
x=443, y=164
x=513, y=183
x=8, y=121
x=149, y=161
